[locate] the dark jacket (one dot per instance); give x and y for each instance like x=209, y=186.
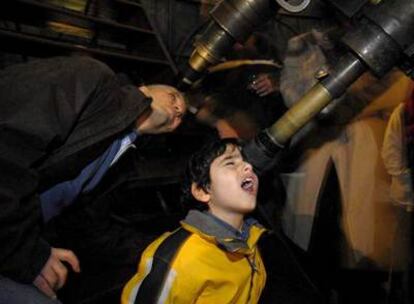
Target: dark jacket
x=56, y=115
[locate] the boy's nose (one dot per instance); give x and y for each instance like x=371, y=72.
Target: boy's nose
x=247, y=167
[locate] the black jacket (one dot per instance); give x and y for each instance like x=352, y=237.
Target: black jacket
x=56, y=115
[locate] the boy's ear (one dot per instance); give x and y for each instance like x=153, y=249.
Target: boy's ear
x=199, y=193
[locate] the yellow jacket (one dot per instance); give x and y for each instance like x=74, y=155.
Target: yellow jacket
x=210, y=264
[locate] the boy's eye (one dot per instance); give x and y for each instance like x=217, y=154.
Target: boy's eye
x=229, y=163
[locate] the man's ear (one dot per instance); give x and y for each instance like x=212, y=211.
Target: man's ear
x=199, y=193
x=145, y=90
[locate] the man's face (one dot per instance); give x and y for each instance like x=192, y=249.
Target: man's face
x=234, y=185
x=170, y=104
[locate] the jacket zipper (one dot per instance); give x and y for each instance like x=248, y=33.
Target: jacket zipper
x=254, y=269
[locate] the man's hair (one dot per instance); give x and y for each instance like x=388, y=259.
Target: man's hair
x=198, y=169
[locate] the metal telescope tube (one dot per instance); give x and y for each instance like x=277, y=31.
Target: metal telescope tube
x=382, y=40
x=232, y=20
x=261, y=151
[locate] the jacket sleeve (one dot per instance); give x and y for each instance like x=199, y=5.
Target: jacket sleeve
x=40, y=103
x=177, y=286
x=181, y=287
x=156, y=282
x=132, y=288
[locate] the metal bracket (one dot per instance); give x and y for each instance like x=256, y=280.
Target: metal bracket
x=293, y=6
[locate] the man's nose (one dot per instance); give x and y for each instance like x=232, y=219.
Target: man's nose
x=179, y=108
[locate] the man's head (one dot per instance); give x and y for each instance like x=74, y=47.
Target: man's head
x=219, y=179
x=167, y=109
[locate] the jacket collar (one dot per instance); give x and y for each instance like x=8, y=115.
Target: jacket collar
x=224, y=235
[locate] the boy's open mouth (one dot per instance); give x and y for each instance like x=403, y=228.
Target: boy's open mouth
x=249, y=184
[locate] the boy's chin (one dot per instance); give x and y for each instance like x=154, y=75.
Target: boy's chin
x=248, y=207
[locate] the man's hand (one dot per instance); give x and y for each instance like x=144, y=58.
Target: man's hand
x=53, y=275
x=264, y=85
x=167, y=110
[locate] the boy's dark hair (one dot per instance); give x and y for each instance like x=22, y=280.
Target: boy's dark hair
x=198, y=169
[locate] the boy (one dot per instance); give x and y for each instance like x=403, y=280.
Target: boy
x=213, y=257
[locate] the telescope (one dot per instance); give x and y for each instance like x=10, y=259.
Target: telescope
x=380, y=40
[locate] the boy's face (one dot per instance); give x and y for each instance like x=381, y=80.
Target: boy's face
x=234, y=185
